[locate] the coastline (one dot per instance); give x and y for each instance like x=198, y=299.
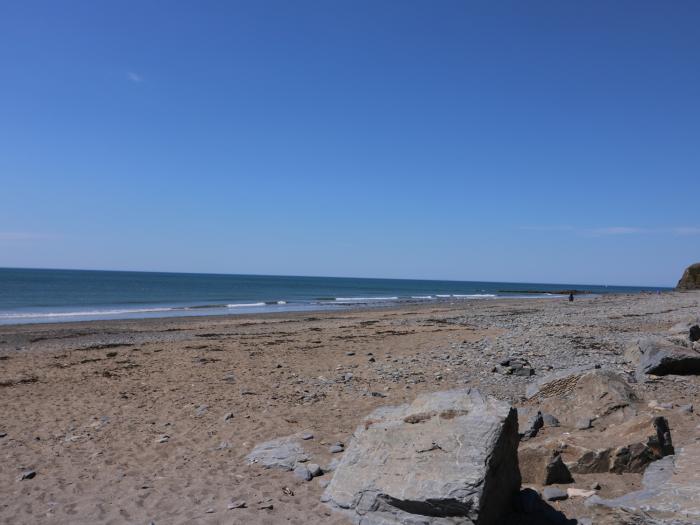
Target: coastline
x=87, y=405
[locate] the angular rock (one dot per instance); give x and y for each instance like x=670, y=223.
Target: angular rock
x=303, y=473
x=282, y=453
x=661, y=358
x=670, y=489
x=557, y=472
x=583, y=392
x=448, y=457
x=694, y=333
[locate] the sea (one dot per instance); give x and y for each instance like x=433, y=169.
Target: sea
x=40, y=295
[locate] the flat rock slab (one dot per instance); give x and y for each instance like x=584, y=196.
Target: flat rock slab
x=282, y=453
x=671, y=489
x=446, y=458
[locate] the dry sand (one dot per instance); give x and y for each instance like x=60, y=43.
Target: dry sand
x=85, y=405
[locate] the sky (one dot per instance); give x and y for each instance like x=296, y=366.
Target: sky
x=540, y=141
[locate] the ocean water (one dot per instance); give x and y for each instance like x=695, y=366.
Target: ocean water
x=31, y=296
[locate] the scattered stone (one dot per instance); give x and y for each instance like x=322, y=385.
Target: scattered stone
x=684, y=409
x=583, y=424
x=237, y=504
x=694, y=333
x=229, y=378
x=595, y=486
x=3, y=434
x=282, y=453
x=372, y=360
x=314, y=469
x=163, y=439
x=265, y=505
x=228, y=416
x=349, y=354
x=210, y=511
x=27, y=474
x=247, y=392
x=336, y=448
x=307, y=436
x=347, y=377
x=533, y=426
x=303, y=473
x=201, y=410
x=549, y=420
x=556, y=471
x=446, y=456
x=554, y=494
x=378, y=394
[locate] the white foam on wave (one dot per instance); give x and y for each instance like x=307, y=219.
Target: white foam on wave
x=474, y=295
x=355, y=299
x=442, y=296
x=244, y=305
x=421, y=297
x=281, y=302
x=41, y=315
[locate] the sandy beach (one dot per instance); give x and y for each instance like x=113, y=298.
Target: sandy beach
x=150, y=421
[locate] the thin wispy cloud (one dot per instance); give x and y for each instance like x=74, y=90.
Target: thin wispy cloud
x=607, y=231
x=22, y=236
x=134, y=77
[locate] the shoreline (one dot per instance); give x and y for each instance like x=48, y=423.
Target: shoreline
x=191, y=312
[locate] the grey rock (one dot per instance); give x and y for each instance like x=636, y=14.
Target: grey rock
x=549, y=420
x=554, y=494
x=335, y=449
x=201, y=410
x=448, y=457
x=237, y=504
x=524, y=372
x=661, y=358
x=303, y=473
x=307, y=436
x=534, y=424
x=228, y=416
x=3, y=434
x=670, y=489
x=314, y=469
x=349, y=354
x=685, y=409
x=282, y=453
x=583, y=424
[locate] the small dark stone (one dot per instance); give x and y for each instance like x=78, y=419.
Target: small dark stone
x=694, y=333
x=28, y=474
x=557, y=472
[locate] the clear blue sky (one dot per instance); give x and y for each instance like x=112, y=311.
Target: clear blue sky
x=554, y=141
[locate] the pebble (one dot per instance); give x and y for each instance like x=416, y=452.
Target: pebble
x=163, y=439
x=580, y=493
x=27, y=474
x=347, y=377
x=595, y=486
x=349, y=354
x=684, y=409
x=583, y=423
x=303, y=473
x=236, y=504
x=554, y=494
x=336, y=448
x=314, y=469
x=228, y=416
x=3, y=434
x=201, y=410
x=306, y=436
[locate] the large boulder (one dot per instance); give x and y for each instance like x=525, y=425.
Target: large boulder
x=671, y=490
x=583, y=394
x=690, y=279
x=661, y=357
x=446, y=458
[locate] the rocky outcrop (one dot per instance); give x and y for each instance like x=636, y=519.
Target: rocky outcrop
x=660, y=357
x=446, y=458
x=671, y=489
x=583, y=394
x=690, y=279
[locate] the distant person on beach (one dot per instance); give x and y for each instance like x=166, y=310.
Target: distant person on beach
x=571, y=297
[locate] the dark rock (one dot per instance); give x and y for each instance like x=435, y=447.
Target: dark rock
x=557, y=472
x=27, y=474
x=694, y=333
x=535, y=423
x=690, y=279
